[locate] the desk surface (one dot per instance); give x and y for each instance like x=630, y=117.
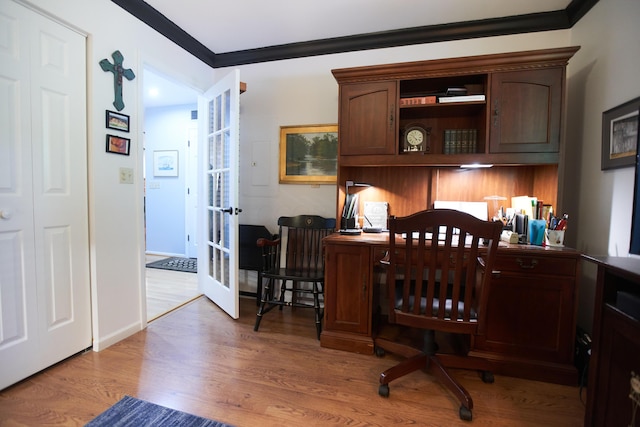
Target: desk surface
x=381, y=239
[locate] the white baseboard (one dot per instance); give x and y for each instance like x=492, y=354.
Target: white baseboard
x=100, y=344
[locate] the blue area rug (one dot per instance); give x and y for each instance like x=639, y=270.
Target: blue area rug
x=132, y=412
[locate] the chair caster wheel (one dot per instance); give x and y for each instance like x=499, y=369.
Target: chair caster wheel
x=379, y=351
x=465, y=413
x=383, y=390
x=487, y=377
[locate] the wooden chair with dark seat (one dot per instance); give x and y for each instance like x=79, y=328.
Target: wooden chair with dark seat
x=294, y=262
x=437, y=269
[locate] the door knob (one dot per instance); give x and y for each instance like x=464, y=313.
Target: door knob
x=5, y=214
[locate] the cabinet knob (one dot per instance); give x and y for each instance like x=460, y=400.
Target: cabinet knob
x=5, y=214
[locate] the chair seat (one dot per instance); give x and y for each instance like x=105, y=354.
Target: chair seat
x=436, y=306
x=295, y=275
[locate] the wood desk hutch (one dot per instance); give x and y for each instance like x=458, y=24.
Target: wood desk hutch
x=518, y=125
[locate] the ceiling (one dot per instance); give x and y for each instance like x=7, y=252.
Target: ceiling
x=231, y=33
x=228, y=26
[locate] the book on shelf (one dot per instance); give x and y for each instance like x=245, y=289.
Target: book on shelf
x=456, y=91
x=460, y=141
x=418, y=100
x=461, y=98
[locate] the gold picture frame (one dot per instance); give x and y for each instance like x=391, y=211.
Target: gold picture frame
x=309, y=154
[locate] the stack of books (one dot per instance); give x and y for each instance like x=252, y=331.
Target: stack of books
x=418, y=100
x=460, y=141
x=460, y=94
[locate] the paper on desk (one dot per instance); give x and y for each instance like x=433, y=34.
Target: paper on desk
x=477, y=209
x=525, y=205
x=375, y=215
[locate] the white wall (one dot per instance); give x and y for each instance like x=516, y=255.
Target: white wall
x=602, y=75
x=166, y=128
x=116, y=210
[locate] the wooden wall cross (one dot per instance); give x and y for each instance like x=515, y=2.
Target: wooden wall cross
x=118, y=72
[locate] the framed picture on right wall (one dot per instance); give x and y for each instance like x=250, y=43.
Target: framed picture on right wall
x=620, y=135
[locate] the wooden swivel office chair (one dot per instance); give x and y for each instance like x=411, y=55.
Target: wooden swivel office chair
x=294, y=262
x=436, y=284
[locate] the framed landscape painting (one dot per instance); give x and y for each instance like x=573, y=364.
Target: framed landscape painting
x=308, y=154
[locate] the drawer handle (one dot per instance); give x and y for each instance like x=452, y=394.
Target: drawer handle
x=521, y=263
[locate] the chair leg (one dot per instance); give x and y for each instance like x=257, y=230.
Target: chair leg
x=316, y=306
x=412, y=364
x=283, y=288
x=266, y=296
x=441, y=373
x=259, y=289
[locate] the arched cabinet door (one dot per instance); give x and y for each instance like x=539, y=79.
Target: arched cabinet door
x=367, y=118
x=526, y=110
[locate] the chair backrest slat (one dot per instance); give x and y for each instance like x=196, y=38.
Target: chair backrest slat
x=301, y=240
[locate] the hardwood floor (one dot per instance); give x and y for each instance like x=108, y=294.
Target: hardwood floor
x=167, y=290
x=198, y=360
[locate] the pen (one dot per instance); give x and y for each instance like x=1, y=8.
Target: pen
x=367, y=219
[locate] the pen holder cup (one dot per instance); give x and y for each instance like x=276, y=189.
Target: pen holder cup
x=347, y=223
x=555, y=238
x=536, y=231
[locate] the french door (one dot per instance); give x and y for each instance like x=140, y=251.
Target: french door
x=219, y=118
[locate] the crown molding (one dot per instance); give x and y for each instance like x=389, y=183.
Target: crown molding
x=535, y=22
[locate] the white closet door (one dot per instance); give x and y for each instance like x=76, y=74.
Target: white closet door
x=45, y=308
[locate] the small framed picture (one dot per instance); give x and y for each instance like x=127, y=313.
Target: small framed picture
x=118, y=145
x=165, y=163
x=117, y=121
x=620, y=135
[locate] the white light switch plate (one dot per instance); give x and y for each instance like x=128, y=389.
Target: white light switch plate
x=126, y=176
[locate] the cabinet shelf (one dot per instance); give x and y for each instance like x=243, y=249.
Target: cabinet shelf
x=449, y=105
x=450, y=160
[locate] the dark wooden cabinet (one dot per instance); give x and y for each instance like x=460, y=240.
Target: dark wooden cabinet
x=368, y=111
x=349, y=293
x=526, y=110
x=531, y=313
x=616, y=344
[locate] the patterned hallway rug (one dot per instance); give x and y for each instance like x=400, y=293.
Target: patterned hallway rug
x=132, y=412
x=188, y=265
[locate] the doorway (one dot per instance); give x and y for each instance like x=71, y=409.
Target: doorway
x=170, y=133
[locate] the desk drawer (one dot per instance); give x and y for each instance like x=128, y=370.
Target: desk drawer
x=541, y=263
